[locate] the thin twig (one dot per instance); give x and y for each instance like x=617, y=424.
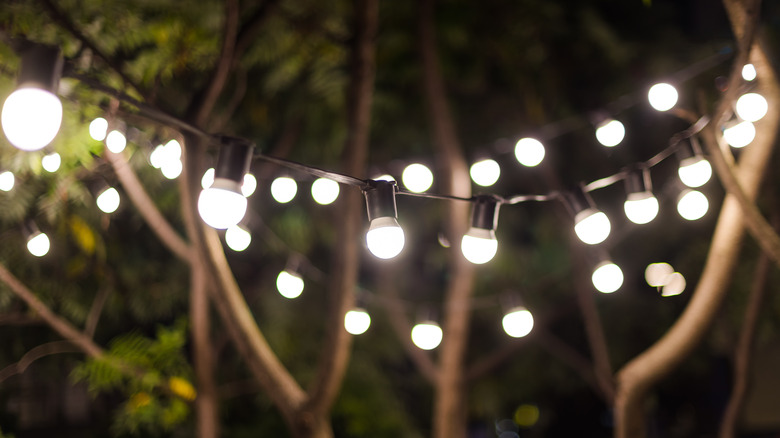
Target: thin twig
x=39, y=352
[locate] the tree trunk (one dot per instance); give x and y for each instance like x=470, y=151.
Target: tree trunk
x=206, y=403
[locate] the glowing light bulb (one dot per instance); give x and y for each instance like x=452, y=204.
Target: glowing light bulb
x=283, y=189
x=751, y=107
x=156, y=157
x=694, y=171
x=692, y=205
x=98, y=129
x=208, y=178
x=417, y=178
x=222, y=205
x=662, y=97
x=610, y=133
x=675, y=285
x=51, y=162
x=529, y=152
x=38, y=244
x=116, y=141
x=518, y=322
x=740, y=135
x=607, y=277
x=108, y=200
x=324, y=191
x=592, y=226
x=7, y=181
x=385, y=238
x=641, y=207
x=237, y=238
x=249, y=186
x=749, y=72
x=172, y=169
x=289, y=284
x=657, y=274
x=479, y=245
x=485, y=173
x=427, y=335
x=172, y=150
x=357, y=321
x=31, y=118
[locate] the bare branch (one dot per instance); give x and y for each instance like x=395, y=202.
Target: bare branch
x=39, y=352
x=94, y=312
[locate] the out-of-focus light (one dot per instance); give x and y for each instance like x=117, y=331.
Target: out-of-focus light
x=641, y=207
x=740, y=135
x=526, y=415
x=208, y=178
x=51, y=162
x=675, y=285
x=289, y=284
x=607, y=277
x=751, y=107
x=221, y=205
x=249, y=186
x=31, y=118
x=7, y=181
x=108, y=200
x=324, y=191
x=485, y=173
x=610, y=133
x=662, y=97
x=417, y=178
x=518, y=322
x=156, y=158
x=384, y=177
x=357, y=321
x=427, y=335
x=98, y=129
x=529, y=152
x=237, y=238
x=385, y=237
x=116, y=141
x=592, y=226
x=749, y=72
x=38, y=244
x=695, y=171
x=283, y=189
x=657, y=274
x=172, y=169
x=692, y=205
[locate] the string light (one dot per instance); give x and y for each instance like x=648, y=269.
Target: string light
x=656, y=274
x=51, y=162
x=417, y=178
x=427, y=335
x=116, y=141
x=694, y=170
x=675, y=285
x=518, y=322
x=222, y=205
x=529, y=152
x=385, y=238
x=38, y=244
x=289, y=284
x=7, y=181
x=108, y=200
x=641, y=205
x=237, y=238
x=479, y=244
x=284, y=189
x=692, y=205
x=249, y=185
x=749, y=72
x=610, y=132
x=357, y=321
x=662, y=97
x=485, y=173
x=751, y=107
x=607, y=277
x=172, y=169
x=98, y=129
x=740, y=134
x=324, y=191
x=591, y=225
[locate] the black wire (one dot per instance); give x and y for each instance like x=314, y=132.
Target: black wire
x=338, y=177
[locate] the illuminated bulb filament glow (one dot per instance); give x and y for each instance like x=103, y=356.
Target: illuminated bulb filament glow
x=695, y=171
x=692, y=205
x=237, y=238
x=740, y=135
x=116, y=141
x=98, y=129
x=417, y=178
x=607, y=277
x=529, y=152
x=485, y=173
x=7, y=181
x=751, y=107
x=610, y=133
x=662, y=97
x=221, y=205
x=641, y=207
x=51, y=163
x=324, y=191
x=284, y=189
x=479, y=245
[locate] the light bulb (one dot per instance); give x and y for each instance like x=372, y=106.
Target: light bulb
x=116, y=141
x=173, y=150
x=357, y=321
x=749, y=72
x=289, y=284
x=607, y=277
x=740, y=135
x=751, y=107
x=692, y=205
x=592, y=226
x=38, y=244
x=417, y=178
x=485, y=173
x=237, y=238
x=518, y=322
x=641, y=207
x=427, y=335
x=479, y=245
x=324, y=191
x=98, y=129
x=156, y=158
x=657, y=274
x=108, y=200
x=249, y=186
x=610, y=133
x=384, y=177
x=31, y=118
x=7, y=181
x=662, y=97
x=529, y=152
x=675, y=285
x=694, y=171
x=208, y=178
x=283, y=189
x=221, y=205
x=172, y=169
x=51, y=162
x=385, y=238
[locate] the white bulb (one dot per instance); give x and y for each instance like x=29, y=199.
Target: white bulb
x=694, y=171
x=249, y=186
x=740, y=135
x=751, y=107
x=692, y=205
x=156, y=158
x=172, y=169
x=237, y=238
x=427, y=335
x=116, y=141
x=662, y=97
x=51, y=163
x=610, y=133
x=485, y=173
x=607, y=277
x=31, y=118
x=749, y=72
x=479, y=245
x=173, y=150
x=221, y=205
x=324, y=191
x=518, y=322
x=108, y=200
x=208, y=178
x=39, y=244
x=385, y=238
x=657, y=274
x=417, y=178
x=357, y=321
x=641, y=207
x=98, y=129
x=7, y=181
x=283, y=189
x=592, y=226
x=289, y=284
x=529, y=152
x=675, y=285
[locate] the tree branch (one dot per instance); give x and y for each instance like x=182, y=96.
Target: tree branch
x=94, y=312
x=39, y=352
x=207, y=401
